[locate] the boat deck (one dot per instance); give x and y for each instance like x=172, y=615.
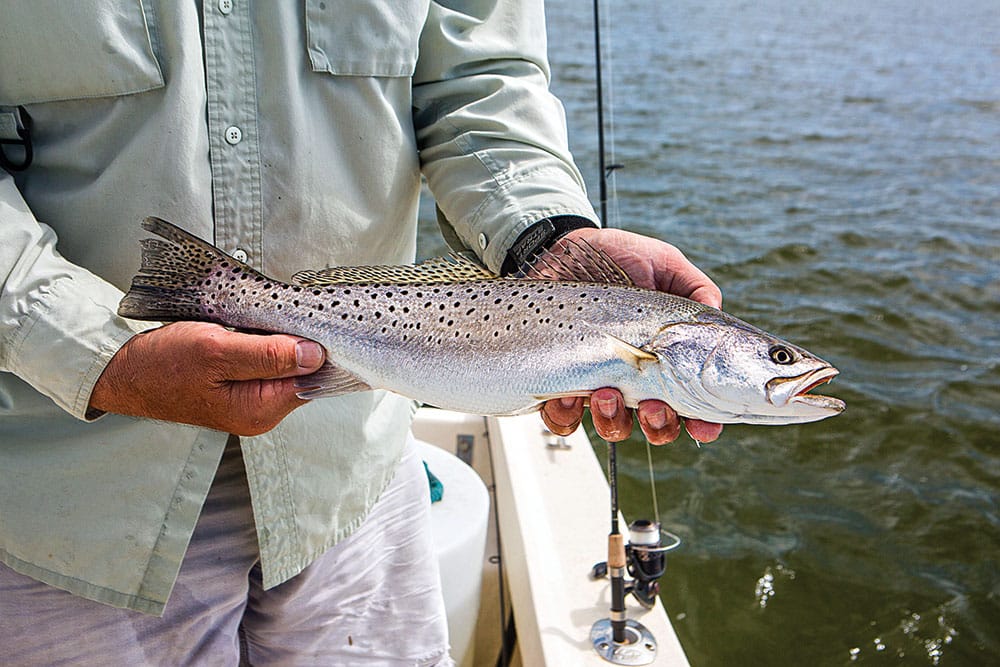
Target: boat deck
x=552, y=502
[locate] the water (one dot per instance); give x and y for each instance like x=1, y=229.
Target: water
x=835, y=167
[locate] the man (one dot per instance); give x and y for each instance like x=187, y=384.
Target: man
x=293, y=135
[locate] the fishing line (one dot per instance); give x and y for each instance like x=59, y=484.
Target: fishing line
x=652, y=480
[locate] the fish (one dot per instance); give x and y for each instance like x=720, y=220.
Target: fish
x=449, y=333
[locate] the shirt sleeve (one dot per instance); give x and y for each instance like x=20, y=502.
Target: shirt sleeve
x=492, y=138
x=58, y=321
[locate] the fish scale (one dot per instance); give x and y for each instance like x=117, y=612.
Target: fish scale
x=449, y=333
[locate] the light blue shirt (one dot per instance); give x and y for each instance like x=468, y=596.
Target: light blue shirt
x=292, y=133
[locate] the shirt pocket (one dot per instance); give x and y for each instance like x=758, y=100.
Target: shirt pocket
x=51, y=50
x=364, y=38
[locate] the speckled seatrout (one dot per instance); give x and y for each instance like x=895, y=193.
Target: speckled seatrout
x=449, y=333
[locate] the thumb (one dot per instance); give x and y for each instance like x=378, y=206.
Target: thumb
x=254, y=357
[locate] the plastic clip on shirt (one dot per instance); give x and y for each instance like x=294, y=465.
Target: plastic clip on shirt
x=15, y=130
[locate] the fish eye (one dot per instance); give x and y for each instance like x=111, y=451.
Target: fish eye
x=781, y=355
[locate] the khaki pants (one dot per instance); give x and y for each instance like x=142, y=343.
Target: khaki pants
x=373, y=599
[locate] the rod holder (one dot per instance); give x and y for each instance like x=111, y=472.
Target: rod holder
x=637, y=648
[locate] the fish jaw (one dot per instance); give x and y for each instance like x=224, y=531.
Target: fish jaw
x=792, y=395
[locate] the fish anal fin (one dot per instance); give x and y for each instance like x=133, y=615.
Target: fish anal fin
x=630, y=354
x=564, y=394
x=329, y=380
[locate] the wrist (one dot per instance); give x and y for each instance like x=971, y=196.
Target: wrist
x=538, y=238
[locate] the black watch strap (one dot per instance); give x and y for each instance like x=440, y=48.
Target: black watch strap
x=539, y=237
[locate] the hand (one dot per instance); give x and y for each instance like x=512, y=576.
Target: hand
x=205, y=375
x=651, y=264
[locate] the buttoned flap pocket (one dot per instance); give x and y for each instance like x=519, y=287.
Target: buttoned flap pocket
x=364, y=38
x=54, y=50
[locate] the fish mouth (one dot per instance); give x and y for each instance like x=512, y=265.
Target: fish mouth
x=795, y=391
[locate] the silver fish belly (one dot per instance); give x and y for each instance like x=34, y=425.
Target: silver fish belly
x=450, y=334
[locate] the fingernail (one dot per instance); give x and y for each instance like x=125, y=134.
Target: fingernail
x=608, y=408
x=657, y=420
x=567, y=402
x=308, y=354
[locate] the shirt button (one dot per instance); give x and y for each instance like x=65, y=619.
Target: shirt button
x=482, y=241
x=225, y=6
x=240, y=255
x=234, y=135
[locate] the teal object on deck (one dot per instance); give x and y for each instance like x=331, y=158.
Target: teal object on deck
x=437, y=488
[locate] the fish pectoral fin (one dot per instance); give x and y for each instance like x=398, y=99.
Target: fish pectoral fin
x=329, y=380
x=630, y=354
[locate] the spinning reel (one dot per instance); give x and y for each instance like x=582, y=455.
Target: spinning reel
x=646, y=560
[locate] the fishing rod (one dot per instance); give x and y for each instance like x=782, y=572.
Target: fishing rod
x=618, y=639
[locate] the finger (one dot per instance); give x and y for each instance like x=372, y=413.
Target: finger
x=658, y=421
x=259, y=405
x=562, y=416
x=252, y=357
x=684, y=278
x=612, y=420
x=702, y=431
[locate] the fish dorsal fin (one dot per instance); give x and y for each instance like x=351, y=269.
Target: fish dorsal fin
x=448, y=269
x=575, y=261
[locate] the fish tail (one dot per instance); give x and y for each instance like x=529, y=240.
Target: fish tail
x=173, y=280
